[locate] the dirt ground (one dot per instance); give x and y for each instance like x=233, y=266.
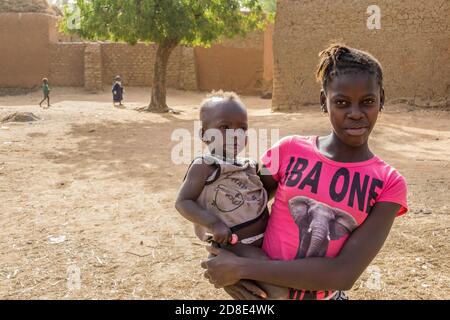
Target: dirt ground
x=103, y=179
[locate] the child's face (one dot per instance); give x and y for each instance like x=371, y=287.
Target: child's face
x=229, y=120
x=353, y=102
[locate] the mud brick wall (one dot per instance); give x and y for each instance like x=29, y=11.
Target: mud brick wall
x=133, y=63
x=136, y=64
x=413, y=46
x=187, y=78
x=268, y=58
x=67, y=64
x=24, y=49
x=32, y=48
x=233, y=64
x=93, y=67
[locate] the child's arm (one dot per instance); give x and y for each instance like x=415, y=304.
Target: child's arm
x=269, y=183
x=187, y=206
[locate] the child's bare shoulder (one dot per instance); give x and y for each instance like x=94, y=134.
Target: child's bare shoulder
x=201, y=168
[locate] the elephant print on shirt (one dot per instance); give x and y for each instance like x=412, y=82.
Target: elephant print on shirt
x=318, y=223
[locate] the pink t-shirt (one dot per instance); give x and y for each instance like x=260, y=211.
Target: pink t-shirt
x=319, y=202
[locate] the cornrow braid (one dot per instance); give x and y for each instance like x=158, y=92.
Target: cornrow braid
x=340, y=59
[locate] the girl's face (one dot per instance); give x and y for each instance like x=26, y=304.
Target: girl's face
x=353, y=102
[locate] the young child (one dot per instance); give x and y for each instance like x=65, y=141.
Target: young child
x=46, y=91
x=222, y=193
x=117, y=91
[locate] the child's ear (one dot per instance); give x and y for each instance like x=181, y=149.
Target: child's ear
x=201, y=134
x=323, y=101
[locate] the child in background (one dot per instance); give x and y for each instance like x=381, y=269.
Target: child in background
x=117, y=91
x=46, y=91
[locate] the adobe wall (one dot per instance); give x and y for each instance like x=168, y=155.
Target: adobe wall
x=233, y=65
x=32, y=48
x=67, y=64
x=136, y=64
x=24, y=51
x=413, y=45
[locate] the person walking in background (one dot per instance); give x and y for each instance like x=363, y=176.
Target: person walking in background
x=46, y=91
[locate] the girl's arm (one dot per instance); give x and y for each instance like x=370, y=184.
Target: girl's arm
x=187, y=206
x=339, y=273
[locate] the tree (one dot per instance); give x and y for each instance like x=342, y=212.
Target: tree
x=269, y=6
x=167, y=23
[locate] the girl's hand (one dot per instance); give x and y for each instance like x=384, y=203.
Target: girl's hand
x=245, y=290
x=221, y=270
x=221, y=233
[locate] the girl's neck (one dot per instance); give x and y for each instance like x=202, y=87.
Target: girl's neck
x=333, y=148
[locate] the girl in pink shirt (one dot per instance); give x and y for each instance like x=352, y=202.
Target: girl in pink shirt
x=334, y=198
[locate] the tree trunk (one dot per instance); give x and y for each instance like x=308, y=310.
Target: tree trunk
x=158, y=101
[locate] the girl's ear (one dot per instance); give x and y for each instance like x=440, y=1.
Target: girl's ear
x=382, y=97
x=323, y=101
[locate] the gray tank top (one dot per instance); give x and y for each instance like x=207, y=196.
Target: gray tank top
x=233, y=192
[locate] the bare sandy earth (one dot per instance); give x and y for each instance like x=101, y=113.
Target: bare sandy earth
x=103, y=178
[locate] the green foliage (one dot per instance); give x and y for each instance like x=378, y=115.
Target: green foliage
x=188, y=22
x=269, y=6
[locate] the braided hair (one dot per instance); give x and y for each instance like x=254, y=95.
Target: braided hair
x=339, y=59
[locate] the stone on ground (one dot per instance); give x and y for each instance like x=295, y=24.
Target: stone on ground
x=19, y=117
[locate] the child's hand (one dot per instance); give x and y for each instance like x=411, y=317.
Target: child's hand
x=221, y=233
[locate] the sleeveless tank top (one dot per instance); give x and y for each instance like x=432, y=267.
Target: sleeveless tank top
x=233, y=192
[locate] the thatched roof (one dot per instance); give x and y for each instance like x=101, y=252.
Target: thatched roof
x=38, y=6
